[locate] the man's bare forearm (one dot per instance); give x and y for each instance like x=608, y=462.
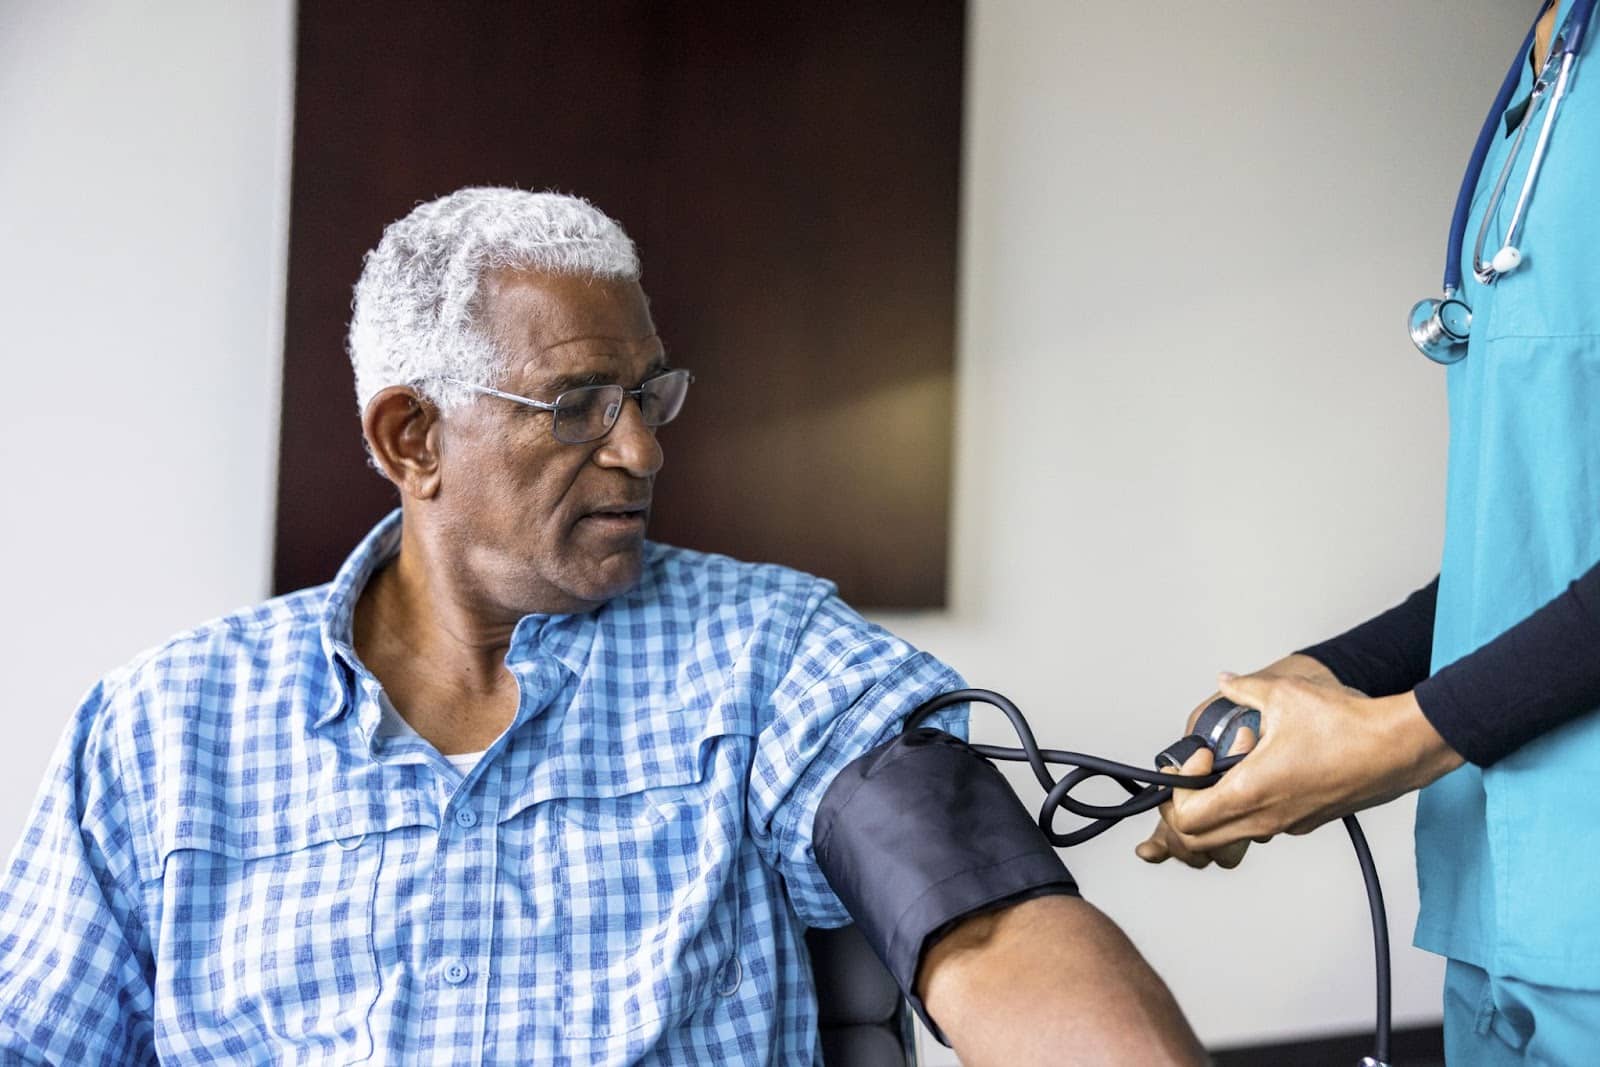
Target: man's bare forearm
x=1051, y=981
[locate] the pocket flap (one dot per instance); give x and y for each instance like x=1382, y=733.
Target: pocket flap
x=621, y=751
x=276, y=825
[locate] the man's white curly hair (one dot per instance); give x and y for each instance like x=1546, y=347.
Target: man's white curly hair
x=416, y=306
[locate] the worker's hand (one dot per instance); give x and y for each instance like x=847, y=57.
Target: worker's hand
x=1325, y=751
x=1164, y=842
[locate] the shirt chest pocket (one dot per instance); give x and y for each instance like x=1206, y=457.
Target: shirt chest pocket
x=647, y=896
x=268, y=944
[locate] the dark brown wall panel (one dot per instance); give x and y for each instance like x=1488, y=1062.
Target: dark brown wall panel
x=790, y=174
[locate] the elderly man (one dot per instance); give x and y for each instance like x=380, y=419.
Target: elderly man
x=518, y=785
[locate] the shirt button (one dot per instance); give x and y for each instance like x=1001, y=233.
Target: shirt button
x=466, y=817
x=457, y=973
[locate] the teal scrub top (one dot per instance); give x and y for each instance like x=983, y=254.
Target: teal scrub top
x=1508, y=857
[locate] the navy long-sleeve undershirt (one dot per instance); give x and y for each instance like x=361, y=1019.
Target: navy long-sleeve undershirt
x=1538, y=675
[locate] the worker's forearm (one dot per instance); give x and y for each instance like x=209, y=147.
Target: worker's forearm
x=1390, y=652
x=1051, y=981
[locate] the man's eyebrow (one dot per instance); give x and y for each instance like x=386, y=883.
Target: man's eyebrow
x=563, y=382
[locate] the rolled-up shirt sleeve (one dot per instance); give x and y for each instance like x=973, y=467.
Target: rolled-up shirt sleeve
x=76, y=972
x=845, y=686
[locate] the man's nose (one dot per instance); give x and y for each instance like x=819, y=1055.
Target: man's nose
x=631, y=444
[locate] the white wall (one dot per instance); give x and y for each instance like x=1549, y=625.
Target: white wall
x=144, y=178
x=1192, y=432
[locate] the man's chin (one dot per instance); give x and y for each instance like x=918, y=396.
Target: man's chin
x=609, y=577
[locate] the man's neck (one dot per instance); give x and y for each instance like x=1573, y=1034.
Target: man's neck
x=439, y=657
x=404, y=609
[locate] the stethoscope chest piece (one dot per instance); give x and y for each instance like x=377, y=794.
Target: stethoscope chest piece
x=1439, y=329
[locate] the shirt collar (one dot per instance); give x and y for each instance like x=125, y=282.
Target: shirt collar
x=339, y=611
x=567, y=638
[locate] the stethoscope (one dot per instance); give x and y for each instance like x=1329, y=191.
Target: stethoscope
x=1439, y=328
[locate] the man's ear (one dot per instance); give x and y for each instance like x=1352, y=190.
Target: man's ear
x=402, y=431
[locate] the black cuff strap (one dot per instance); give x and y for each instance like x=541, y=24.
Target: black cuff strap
x=920, y=833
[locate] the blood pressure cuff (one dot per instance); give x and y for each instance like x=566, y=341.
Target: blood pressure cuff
x=921, y=833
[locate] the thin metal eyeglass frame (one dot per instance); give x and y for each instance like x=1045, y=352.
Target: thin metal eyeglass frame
x=554, y=406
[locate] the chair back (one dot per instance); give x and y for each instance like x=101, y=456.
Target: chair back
x=864, y=1020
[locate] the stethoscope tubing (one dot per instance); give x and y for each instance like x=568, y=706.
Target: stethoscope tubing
x=1562, y=61
x=1480, y=154
x=1486, y=273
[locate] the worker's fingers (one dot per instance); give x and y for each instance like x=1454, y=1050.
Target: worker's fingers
x=1197, y=765
x=1243, y=742
x=1207, y=819
x=1163, y=845
x=1153, y=849
x=1250, y=690
x=1166, y=840
x=1230, y=856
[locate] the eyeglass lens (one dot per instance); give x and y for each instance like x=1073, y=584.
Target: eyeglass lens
x=589, y=412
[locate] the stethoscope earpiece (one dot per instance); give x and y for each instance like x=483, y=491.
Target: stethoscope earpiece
x=1506, y=260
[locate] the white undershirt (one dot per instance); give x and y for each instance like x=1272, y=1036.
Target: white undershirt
x=394, y=725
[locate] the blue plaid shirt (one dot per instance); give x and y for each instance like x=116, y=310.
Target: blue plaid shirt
x=230, y=863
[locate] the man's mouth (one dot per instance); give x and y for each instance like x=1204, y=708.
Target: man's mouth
x=621, y=517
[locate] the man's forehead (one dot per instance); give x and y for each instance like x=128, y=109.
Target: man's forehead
x=562, y=323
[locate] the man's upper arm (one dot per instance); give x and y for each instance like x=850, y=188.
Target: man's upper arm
x=75, y=964
x=921, y=835
x=844, y=685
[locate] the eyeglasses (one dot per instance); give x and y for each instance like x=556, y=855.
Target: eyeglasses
x=587, y=413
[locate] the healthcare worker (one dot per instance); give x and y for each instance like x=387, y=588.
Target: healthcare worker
x=1481, y=688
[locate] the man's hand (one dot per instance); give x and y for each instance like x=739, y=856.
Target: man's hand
x=1051, y=981
x=1325, y=752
